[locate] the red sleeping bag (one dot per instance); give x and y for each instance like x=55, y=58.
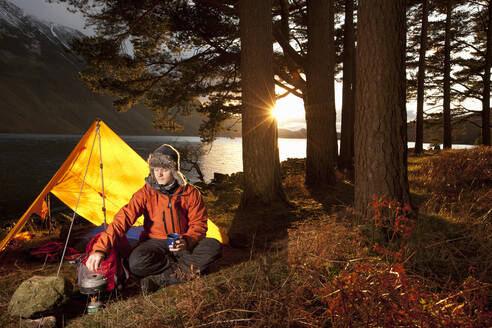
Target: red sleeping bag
x=112, y=266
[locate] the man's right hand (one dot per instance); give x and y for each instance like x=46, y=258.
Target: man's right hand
x=94, y=261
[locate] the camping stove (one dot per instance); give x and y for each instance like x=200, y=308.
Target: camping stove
x=92, y=285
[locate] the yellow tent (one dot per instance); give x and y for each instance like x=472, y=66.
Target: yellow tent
x=101, y=164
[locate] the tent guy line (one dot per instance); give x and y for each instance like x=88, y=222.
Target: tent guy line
x=98, y=133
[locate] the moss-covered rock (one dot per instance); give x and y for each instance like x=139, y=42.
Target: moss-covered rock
x=39, y=295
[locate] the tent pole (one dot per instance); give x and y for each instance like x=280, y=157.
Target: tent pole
x=102, y=177
x=48, y=217
x=77, y=205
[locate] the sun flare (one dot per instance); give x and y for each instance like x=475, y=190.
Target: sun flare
x=277, y=113
x=289, y=113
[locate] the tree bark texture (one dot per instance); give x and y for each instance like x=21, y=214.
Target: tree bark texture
x=486, y=84
x=380, y=115
x=262, y=182
x=319, y=102
x=446, y=112
x=348, y=91
x=419, y=126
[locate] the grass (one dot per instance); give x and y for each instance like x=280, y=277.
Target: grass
x=314, y=265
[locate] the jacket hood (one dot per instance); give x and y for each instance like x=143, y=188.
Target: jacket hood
x=165, y=156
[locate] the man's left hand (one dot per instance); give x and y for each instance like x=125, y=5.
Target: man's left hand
x=180, y=245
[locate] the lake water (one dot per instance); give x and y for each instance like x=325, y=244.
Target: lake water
x=28, y=161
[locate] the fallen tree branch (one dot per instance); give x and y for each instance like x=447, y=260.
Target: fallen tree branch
x=229, y=310
x=445, y=241
x=461, y=292
x=226, y=321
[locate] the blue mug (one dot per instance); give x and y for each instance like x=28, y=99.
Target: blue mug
x=171, y=239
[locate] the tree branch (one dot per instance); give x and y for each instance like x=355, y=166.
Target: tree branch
x=283, y=95
x=121, y=36
x=222, y=7
x=480, y=52
x=287, y=48
x=289, y=90
x=298, y=82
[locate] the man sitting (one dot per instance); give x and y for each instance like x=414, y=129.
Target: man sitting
x=169, y=205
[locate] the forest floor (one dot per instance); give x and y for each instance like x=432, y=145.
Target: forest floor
x=316, y=263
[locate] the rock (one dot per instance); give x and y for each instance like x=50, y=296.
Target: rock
x=219, y=177
x=39, y=295
x=45, y=322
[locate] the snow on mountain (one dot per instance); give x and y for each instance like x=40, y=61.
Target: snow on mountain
x=35, y=34
x=52, y=29
x=11, y=14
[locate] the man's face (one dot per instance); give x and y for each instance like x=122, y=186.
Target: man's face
x=163, y=176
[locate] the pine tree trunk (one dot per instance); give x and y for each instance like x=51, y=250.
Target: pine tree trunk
x=447, y=139
x=348, y=95
x=262, y=183
x=321, y=149
x=486, y=85
x=419, y=127
x=284, y=18
x=380, y=116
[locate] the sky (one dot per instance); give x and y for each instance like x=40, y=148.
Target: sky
x=294, y=108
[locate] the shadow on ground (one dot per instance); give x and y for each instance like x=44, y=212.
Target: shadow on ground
x=335, y=198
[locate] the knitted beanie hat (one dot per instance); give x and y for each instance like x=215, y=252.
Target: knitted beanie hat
x=165, y=156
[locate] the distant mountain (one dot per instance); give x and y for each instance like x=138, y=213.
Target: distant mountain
x=40, y=91
x=285, y=133
x=464, y=131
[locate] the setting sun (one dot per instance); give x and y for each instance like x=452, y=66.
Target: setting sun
x=276, y=113
x=286, y=113
x=289, y=113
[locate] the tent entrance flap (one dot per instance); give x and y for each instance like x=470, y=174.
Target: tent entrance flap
x=124, y=174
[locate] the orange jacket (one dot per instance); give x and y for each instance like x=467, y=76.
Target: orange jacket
x=182, y=212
